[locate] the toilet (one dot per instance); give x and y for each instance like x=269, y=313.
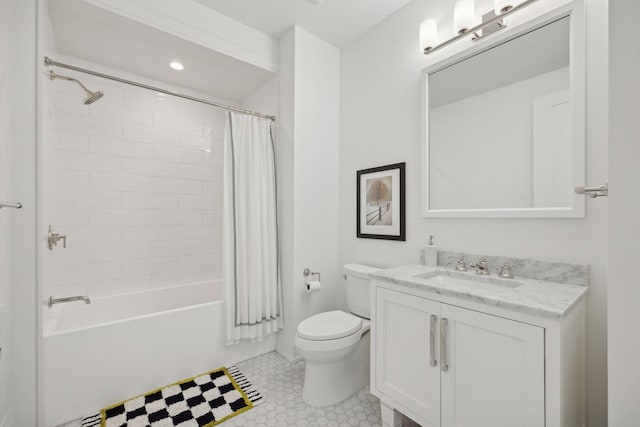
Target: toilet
x=335, y=344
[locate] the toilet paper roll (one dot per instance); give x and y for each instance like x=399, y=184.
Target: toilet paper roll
x=313, y=286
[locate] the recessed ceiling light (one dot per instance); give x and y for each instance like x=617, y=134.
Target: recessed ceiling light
x=176, y=65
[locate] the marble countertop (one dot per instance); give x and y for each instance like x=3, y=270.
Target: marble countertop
x=531, y=296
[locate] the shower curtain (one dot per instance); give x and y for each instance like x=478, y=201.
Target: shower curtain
x=253, y=295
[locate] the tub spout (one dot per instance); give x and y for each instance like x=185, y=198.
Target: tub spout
x=53, y=300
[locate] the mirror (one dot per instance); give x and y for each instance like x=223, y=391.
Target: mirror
x=503, y=125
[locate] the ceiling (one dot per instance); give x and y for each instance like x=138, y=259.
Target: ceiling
x=93, y=34
x=338, y=22
x=96, y=35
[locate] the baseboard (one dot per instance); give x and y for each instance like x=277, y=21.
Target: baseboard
x=290, y=358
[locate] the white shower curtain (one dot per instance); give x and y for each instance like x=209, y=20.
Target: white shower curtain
x=253, y=296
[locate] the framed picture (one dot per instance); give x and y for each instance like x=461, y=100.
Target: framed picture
x=380, y=202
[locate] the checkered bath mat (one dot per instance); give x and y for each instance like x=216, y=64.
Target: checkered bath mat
x=202, y=401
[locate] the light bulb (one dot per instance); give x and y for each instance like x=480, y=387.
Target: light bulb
x=428, y=34
x=464, y=16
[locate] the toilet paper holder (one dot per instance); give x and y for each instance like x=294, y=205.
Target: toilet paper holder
x=307, y=273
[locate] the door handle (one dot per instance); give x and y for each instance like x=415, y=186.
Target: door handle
x=443, y=344
x=432, y=340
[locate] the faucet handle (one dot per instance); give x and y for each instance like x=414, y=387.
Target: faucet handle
x=506, y=270
x=461, y=265
x=54, y=238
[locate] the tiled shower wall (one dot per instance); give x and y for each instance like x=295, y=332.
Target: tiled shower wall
x=135, y=183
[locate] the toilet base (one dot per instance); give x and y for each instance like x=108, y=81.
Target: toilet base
x=329, y=382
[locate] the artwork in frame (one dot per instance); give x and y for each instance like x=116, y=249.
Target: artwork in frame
x=380, y=202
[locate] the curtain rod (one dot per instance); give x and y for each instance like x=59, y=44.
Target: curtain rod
x=50, y=62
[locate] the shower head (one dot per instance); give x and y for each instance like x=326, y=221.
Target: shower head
x=91, y=96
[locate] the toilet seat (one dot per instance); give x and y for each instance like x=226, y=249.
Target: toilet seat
x=337, y=344
x=329, y=325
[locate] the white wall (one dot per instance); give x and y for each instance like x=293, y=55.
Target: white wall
x=380, y=124
x=624, y=233
x=265, y=99
x=24, y=316
x=135, y=182
x=308, y=156
x=5, y=193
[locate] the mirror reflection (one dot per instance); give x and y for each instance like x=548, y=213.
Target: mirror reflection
x=500, y=133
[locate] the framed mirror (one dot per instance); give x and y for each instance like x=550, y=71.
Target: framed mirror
x=504, y=124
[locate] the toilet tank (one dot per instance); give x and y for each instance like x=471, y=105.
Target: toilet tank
x=358, y=287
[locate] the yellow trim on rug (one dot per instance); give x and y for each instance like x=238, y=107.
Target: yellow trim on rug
x=103, y=412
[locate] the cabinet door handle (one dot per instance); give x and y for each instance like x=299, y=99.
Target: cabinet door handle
x=443, y=344
x=432, y=340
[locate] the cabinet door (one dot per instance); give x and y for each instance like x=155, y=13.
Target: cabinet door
x=495, y=375
x=403, y=352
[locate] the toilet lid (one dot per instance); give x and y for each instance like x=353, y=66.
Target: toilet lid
x=329, y=325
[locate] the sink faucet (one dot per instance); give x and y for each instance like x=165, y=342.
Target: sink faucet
x=460, y=264
x=505, y=271
x=53, y=300
x=481, y=267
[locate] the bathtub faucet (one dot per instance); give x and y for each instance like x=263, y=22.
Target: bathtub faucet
x=53, y=300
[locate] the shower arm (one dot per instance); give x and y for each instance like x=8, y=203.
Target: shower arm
x=53, y=76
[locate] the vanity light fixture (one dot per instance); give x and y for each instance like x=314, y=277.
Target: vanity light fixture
x=428, y=33
x=464, y=23
x=464, y=16
x=502, y=6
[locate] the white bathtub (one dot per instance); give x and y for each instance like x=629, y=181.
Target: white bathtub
x=121, y=346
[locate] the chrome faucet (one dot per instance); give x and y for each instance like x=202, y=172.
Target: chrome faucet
x=505, y=271
x=481, y=267
x=460, y=264
x=53, y=300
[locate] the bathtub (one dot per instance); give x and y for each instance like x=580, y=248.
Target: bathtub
x=121, y=346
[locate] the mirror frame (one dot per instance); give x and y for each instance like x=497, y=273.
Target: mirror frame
x=577, y=73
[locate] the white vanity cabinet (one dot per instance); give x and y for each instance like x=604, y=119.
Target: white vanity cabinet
x=445, y=362
x=405, y=344
x=493, y=371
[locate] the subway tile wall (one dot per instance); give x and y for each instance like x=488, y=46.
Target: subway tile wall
x=135, y=182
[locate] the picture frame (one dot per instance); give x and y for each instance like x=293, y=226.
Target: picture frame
x=380, y=202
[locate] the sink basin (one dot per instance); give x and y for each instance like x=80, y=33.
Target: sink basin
x=457, y=279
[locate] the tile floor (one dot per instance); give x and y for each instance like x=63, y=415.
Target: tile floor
x=280, y=382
